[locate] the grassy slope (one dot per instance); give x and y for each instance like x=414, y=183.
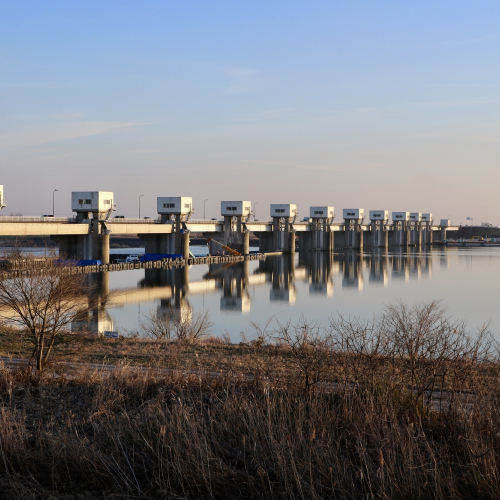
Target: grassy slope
x=156, y=434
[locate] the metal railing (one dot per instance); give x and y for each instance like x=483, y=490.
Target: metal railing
x=119, y=220
x=22, y=218
x=204, y=221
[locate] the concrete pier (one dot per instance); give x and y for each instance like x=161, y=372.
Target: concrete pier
x=353, y=219
x=379, y=236
x=105, y=248
x=320, y=237
x=399, y=235
x=354, y=235
x=234, y=234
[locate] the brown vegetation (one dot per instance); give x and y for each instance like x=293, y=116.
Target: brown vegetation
x=404, y=407
x=43, y=304
x=173, y=326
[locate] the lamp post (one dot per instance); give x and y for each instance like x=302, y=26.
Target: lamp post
x=53, y=201
x=204, y=201
x=140, y=205
x=254, y=205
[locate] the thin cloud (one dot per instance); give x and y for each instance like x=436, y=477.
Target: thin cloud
x=60, y=132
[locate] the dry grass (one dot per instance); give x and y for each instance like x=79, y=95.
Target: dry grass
x=146, y=435
x=210, y=354
x=316, y=419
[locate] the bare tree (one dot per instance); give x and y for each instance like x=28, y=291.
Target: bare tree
x=363, y=347
x=158, y=326
x=262, y=333
x=170, y=324
x=45, y=303
x=309, y=348
x=428, y=348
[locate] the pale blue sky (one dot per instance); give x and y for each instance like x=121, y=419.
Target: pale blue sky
x=381, y=105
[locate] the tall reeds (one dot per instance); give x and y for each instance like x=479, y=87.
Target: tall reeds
x=361, y=412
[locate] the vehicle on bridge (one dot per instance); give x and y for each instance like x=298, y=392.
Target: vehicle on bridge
x=129, y=259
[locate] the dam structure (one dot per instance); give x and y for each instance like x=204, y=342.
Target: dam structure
x=86, y=236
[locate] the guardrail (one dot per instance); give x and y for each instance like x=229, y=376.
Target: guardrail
x=22, y=218
x=256, y=222
x=120, y=220
x=204, y=221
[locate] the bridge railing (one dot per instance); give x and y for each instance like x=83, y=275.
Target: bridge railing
x=119, y=220
x=22, y=218
x=205, y=221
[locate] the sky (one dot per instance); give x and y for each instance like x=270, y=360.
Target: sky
x=380, y=105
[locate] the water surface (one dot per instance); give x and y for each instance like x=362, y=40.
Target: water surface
x=315, y=285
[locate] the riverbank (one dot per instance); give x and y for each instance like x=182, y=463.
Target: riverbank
x=156, y=434
x=405, y=407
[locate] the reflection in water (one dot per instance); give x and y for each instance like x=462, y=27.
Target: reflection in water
x=282, y=271
x=353, y=271
x=168, y=290
x=400, y=266
x=320, y=266
x=444, y=260
x=232, y=279
x=379, y=263
x=175, y=304
x=414, y=264
x=97, y=320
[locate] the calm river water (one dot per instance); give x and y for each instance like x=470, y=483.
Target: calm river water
x=313, y=285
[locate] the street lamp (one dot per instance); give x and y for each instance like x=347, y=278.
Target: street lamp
x=254, y=205
x=53, y=201
x=204, y=218
x=140, y=205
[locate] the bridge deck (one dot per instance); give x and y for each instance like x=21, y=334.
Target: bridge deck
x=42, y=229
x=59, y=226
